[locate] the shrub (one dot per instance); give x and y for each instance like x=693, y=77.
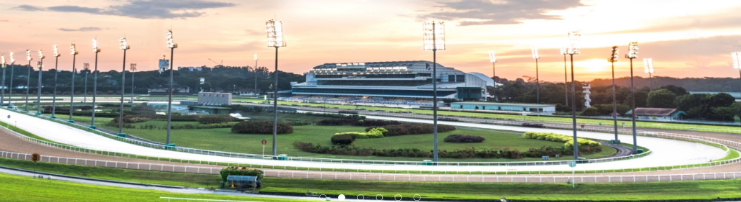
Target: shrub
x=359, y=151
x=343, y=139
x=373, y=133
x=463, y=138
x=336, y=122
x=211, y=119
x=375, y=123
x=261, y=127
x=130, y=119
x=585, y=145
x=234, y=170
x=413, y=129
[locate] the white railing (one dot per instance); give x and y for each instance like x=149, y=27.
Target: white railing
x=582, y=178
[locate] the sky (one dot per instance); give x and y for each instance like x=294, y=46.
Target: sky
x=685, y=38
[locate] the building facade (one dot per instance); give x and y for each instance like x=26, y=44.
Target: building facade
x=402, y=79
x=504, y=107
x=211, y=98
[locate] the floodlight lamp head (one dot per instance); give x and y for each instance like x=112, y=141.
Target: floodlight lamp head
x=3, y=60
x=12, y=59
x=615, y=54
x=170, y=43
x=41, y=55
x=133, y=67
x=563, y=50
x=274, y=30
x=28, y=55
x=255, y=56
x=633, y=51
x=56, y=51
x=72, y=50
x=95, y=46
x=434, y=35
x=492, y=57
x=574, y=46
x=39, y=65
x=122, y=44
x=534, y=50
x=736, y=56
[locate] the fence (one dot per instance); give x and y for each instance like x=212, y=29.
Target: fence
x=731, y=144
x=390, y=177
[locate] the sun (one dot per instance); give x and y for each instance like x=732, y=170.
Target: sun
x=592, y=65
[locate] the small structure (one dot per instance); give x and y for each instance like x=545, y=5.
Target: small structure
x=212, y=110
x=504, y=107
x=164, y=90
x=242, y=182
x=587, y=100
x=665, y=114
x=212, y=98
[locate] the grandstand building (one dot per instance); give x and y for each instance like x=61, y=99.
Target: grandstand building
x=402, y=79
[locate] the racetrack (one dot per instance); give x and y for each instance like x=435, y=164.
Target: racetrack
x=665, y=152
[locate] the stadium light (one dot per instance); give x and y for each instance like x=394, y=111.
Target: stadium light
x=614, y=58
x=275, y=39
x=573, y=49
x=632, y=54
x=565, y=77
x=2, y=90
x=735, y=55
x=434, y=39
x=534, y=51
x=493, y=60
x=56, y=72
x=133, y=69
x=648, y=67
x=172, y=45
x=255, y=71
x=86, y=69
x=28, y=77
x=95, y=81
x=10, y=86
x=40, y=64
x=123, y=46
x=73, y=52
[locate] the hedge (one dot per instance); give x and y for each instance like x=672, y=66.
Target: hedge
x=459, y=153
x=211, y=119
x=372, y=133
x=233, y=170
x=413, y=129
x=261, y=127
x=585, y=145
x=463, y=138
x=344, y=139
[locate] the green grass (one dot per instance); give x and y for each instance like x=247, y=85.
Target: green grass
x=222, y=139
x=25, y=188
x=733, y=154
x=21, y=188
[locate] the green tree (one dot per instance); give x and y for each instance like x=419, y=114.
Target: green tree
x=679, y=91
x=590, y=111
x=661, y=98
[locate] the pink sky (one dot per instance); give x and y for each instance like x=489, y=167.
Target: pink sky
x=685, y=38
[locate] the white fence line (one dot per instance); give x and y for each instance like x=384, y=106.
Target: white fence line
x=390, y=177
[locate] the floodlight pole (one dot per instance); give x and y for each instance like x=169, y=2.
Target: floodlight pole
x=573, y=108
x=10, y=87
x=169, y=97
x=38, y=94
x=614, y=101
x=123, y=81
x=633, y=105
x=95, y=90
x=54, y=96
x=537, y=82
x=275, y=106
x=84, y=93
x=72, y=91
x=565, y=81
x=133, y=68
x=255, y=71
x=28, y=84
x=434, y=93
x=2, y=91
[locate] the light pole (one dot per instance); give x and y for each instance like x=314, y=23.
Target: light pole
x=614, y=58
x=255, y=71
x=56, y=72
x=132, y=68
x=572, y=49
x=735, y=55
x=95, y=82
x=537, y=77
x=2, y=97
x=275, y=39
x=10, y=87
x=28, y=77
x=493, y=60
x=172, y=45
x=124, y=46
x=73, y=52
x=434, y=39
x=648, y=67
x=565, y=76
x=632, y=54
x=41, y=70
x=86, y=69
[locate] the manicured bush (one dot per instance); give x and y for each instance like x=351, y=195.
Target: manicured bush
x=343, y=139
x=234, y=170
x=413, y=129
x=211, y=119
x=585, y=145
x=372, y=133
x=360, y=151
x=463, y=138
x=261, y=127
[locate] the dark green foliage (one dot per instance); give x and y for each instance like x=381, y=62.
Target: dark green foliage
x=212, y=119
x=661, y=98
x=261, y=127
x=590, y=111
x=345, y=139
x=704, y=106
x=413, y=129
x=679, y=91
x=234, y=170
x=463, y=138
x=143, y=109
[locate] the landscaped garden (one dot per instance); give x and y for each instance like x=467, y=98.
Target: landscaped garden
x=370, y=139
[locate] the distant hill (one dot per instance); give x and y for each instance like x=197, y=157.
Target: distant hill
x=691, y=84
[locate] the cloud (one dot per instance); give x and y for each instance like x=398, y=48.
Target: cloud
x=143, y=9
x=82, y=29
x=487, y=12
x=3, y=20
